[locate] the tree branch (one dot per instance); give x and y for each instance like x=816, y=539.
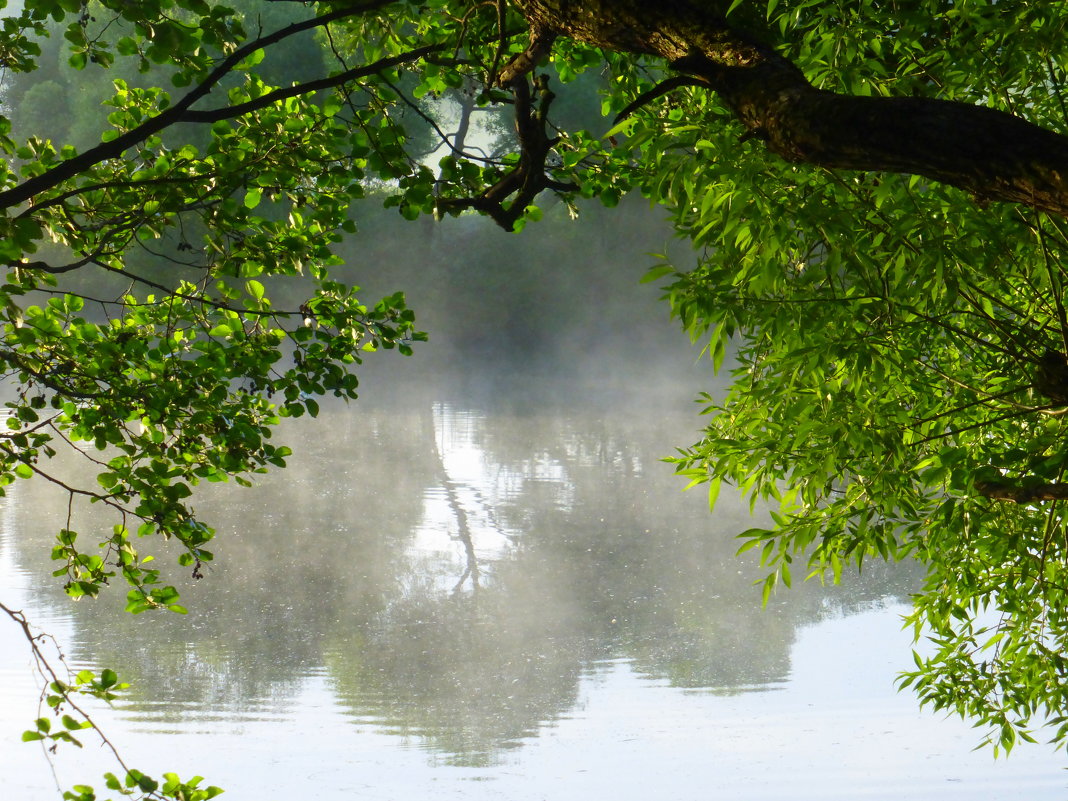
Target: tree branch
x=989, y=153
x=175, y=113
x=541, y=42
x=662, y=88
x=229, y=112
x=1017, y=493
x=528, y=178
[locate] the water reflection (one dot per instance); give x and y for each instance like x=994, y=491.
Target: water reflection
x=453, y=575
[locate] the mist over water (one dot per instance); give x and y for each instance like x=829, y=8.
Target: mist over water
x=485, y=603
x=553, y=313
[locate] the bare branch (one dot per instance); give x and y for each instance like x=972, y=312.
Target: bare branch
x=52, y=678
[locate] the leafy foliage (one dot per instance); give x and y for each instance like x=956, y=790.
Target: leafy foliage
x=900, y=352
x=900, y=348
x=177, y=381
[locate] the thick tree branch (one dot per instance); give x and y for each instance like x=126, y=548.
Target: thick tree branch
x=528, y=178
x=1016, y=493
x=541, y=42
x=991, y=154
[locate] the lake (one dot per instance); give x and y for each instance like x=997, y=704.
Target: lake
x=488, y=598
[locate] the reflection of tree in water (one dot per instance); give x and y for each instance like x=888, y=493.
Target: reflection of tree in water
x=470, y=675
x=605, y=558
x=618, y=563
x=647, y=567
x=463, y=534
x=324, y=537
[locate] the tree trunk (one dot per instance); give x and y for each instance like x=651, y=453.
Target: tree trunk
x=991, y=154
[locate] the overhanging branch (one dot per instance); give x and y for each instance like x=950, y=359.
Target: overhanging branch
x=991, y=154
x=307, y=88
x=507, y=200
x=1018, y=493
x=177, y=112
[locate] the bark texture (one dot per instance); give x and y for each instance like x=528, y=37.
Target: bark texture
x=991, y=154
x=1017, y=493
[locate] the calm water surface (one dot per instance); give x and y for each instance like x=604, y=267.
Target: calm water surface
x=492, y=602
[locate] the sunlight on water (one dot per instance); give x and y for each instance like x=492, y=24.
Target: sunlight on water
x=460, y=527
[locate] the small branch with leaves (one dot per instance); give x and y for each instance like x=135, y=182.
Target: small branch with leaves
x=64, y=693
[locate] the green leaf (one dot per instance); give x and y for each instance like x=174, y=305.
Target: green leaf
x=768, y=586
x=713, y=492
x=622, y=128
x=657, y=273
x=251, y=60
x=255, y=289
x=147, y=783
